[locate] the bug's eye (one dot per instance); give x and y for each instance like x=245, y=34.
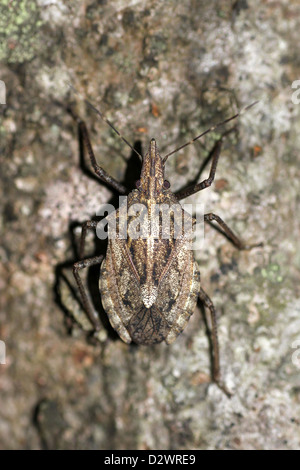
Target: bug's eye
x=166, y=184
x=138, y=184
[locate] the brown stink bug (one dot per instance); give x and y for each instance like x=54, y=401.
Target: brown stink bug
x=150, y=285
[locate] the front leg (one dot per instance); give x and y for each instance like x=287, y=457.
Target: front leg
x=215, y=343
x=208, y=181
x=103, y=175
x=214, y=157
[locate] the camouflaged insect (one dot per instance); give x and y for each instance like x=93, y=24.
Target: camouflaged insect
x=149, y=286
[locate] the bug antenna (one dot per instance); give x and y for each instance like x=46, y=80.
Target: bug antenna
x=105, y=120
x=216, y=126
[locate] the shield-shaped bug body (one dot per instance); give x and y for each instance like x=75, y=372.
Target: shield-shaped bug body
x=150, y=282
x=149, y=285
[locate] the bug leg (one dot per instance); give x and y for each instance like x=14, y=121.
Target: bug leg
x=103, y=175
x=88, y=225
x=226, y=231
x=208, y=181
x=215, y=343
x=84, y=297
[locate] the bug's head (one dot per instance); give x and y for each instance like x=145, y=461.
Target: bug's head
x=152, y=180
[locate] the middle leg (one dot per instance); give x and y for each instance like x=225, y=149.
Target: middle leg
x=88, y=225
x=86, y=302
x=85, y=263
x=239, y=244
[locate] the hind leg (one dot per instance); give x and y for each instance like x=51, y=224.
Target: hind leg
x=215, y=343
